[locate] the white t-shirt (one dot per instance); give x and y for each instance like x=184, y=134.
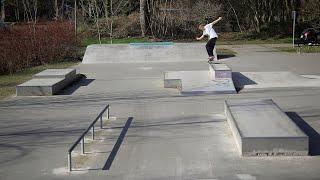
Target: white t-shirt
x=208, y=30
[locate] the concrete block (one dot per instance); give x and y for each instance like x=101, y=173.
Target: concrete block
x=172, y=80
x=40, y=87
x=56, y=73
x=218, y=86
x=47, y=82
x=197, y=82
x=218, y=71
x=69, y=75
x=260, y=128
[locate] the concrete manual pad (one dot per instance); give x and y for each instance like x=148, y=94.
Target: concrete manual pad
x=68, y=75
x=40, y=87
x=47, y=82
x=281, y=79
x=260, y=128
x=56, y=73
x=173, y=79
x=198, y=82
x=218, y=71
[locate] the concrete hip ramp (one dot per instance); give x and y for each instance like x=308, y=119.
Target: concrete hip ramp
x=144, y=52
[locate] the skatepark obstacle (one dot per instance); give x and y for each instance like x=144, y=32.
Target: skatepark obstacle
x=81, y=138
x=47, y=83
x=218, y=80
x=260, y=128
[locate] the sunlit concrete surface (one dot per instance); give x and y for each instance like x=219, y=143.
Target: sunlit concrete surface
x=170, y=137
x=260, y=128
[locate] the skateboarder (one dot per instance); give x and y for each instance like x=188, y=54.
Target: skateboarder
x=211, y=33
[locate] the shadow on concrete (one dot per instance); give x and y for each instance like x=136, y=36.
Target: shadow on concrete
x=81, y=81
x=314, y=136
x=117, y=145
x=17, y=152
x=225, y=56
x=241, y=80
x=43, y=132
x=171, y=122
x=176, y=124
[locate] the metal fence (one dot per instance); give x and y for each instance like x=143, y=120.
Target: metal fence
x=81, y=138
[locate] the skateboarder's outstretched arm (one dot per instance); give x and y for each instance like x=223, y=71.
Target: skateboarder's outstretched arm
x=199, y=38
x=217, y=20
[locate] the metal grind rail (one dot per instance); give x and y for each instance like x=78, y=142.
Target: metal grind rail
x=81, y=138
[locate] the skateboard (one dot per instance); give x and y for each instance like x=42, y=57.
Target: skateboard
x=213, y=62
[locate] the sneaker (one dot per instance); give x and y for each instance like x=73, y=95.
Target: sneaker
x=211, y=58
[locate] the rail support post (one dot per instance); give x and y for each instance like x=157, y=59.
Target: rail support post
x=69, y=162
x=100, y=122
x=92, y=132
x=109, y=112
x=82, y=145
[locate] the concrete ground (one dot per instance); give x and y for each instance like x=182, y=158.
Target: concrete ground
x=170, y=136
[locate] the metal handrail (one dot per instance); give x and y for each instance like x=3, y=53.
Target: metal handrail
x=81, y=138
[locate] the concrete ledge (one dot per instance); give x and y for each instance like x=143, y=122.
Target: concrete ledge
x=47, y=83
x=218, y=71
x=69, y=75
x=40, y=87
x=197, y=82
x=260, y=128
x=218, y=86
x=56, y=73
x=172, y=80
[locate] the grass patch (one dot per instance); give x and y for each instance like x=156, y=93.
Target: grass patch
x=89, y=41
x=231, y=38
x=255, y=41
x=304, y=49
x=224, y=39
x=9, y=82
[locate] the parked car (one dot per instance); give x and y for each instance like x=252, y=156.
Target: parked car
x=310, y=36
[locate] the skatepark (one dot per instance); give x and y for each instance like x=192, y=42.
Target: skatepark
x=266, y=128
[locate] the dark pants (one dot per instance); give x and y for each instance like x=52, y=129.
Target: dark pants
x=210, y=46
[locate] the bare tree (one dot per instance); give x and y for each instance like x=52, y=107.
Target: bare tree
x=236, y=15
x=2, y=10
x=106, y=8
x=56, y=10
x=205, y=11
x=143, y=17
x=16, y=10
x=96, y=16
